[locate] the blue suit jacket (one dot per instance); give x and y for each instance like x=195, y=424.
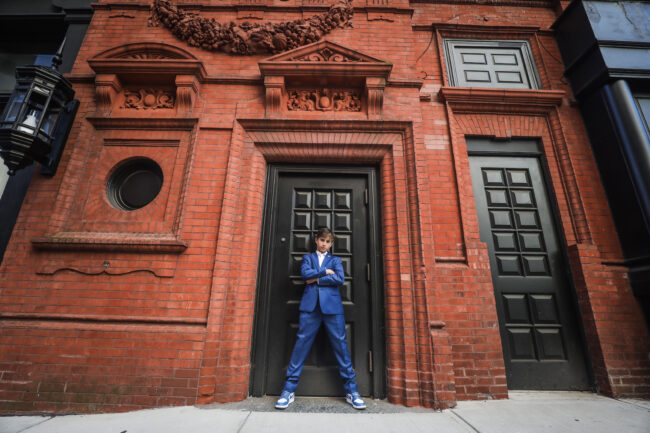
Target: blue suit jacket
x=326, y=289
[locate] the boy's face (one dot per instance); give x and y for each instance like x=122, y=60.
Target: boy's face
x=323, y=243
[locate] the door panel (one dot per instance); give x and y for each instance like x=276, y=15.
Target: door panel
x=541, y=341
x=300, y=204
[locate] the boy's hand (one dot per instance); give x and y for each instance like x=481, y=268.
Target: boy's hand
x=329, y=272
x=313, y=280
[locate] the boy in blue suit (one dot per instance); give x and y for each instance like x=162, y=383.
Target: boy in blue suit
x=321, y=303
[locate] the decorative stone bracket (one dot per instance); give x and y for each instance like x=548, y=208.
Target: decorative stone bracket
x=375, y=95
x=187, y=89
x=324, y=62
x=275, y=91
x=107, y=87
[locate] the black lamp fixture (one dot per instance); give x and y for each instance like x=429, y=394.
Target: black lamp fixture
x=37, y=119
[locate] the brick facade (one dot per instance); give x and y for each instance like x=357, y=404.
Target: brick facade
x=107, y=310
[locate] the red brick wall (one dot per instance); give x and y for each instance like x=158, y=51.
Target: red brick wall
x=79, y=367
x=155, y=307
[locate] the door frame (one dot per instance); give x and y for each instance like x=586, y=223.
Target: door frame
x=532, y=147
x=261, y=319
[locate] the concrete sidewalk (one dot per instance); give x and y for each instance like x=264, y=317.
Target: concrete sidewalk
x=524, y=412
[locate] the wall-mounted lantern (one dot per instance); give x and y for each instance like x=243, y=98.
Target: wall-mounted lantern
x=37, y=119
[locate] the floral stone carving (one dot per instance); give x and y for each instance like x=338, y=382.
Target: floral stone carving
x=327, y=55
x=249, y=38
x=324, y=100
x=148, y=99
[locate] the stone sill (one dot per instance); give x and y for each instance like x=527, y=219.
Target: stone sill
x=494, y=100
x=122, y=242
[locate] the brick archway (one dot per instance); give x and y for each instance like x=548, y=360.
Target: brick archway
x=256, y=142
x=537, y=114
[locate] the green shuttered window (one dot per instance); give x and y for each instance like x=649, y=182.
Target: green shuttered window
x=488, y=63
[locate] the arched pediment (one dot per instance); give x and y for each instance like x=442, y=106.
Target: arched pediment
x=145, y=51
x=151, y=59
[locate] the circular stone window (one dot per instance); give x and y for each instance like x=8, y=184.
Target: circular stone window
x=134, y=184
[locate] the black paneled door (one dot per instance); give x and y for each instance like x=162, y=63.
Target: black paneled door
x=297, y=206
x=542, y=346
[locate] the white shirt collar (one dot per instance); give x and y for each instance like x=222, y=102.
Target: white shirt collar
x=321, y=257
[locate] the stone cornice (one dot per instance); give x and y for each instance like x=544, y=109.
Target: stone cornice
x=325, y=125
x=252, y=80
x=522, y=3
x=159, y=123
x=155, y=67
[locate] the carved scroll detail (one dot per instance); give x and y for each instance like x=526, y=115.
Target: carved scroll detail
x=249, y=38
x=274, y=90
x=148, y=99
x=107, y=86
x=187, y=89
x=324, y=100
x=375, y=95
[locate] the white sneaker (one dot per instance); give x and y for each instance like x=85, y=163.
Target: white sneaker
x=355, y=400
x=286, y=398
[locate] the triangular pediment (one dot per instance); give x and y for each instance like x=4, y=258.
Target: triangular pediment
x=324, y=58
x=324, y=51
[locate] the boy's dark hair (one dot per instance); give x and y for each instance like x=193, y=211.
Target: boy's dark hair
x=324, y=232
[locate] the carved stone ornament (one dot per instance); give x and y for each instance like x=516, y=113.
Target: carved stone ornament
x=249, y=38
x=363, y=76
x=327, y=55
x=145, y=56
x=324, y=100
x=148, y=99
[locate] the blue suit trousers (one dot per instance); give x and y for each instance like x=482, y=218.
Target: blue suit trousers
x=308, y=326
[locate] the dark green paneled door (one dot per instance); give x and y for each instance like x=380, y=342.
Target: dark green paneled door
x=299, y=204
x=542, y=346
